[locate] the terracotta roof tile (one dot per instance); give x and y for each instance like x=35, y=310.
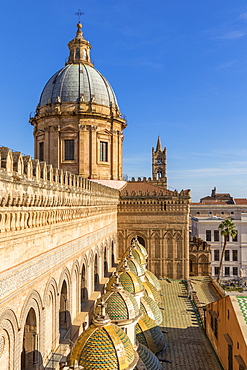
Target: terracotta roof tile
x=144, y=187
x=240, y=200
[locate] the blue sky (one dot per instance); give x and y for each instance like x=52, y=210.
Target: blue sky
x=178, y=68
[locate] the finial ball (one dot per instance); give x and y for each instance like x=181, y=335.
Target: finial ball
x=79, y=25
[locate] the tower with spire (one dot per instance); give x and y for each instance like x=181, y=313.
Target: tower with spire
x=159, y=164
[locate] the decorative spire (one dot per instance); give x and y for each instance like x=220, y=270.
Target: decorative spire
x=101, y=318
x=158, y=146
x=79, y=49
x=116, y=284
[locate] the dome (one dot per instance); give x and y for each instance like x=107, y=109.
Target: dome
x=130, y=282
x=78, y=82
x=138, y=255
x=103, y=345
x=149, y=334
x=152, y=292
x=152, y=279
x=147, y=360
x=150, y=308
x=136, y=244
x=133, y=265
x=120, y=306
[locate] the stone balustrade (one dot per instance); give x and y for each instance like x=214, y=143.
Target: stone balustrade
x=27, y=182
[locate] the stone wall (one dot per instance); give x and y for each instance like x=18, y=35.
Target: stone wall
x=161, y=219
x=58, y=242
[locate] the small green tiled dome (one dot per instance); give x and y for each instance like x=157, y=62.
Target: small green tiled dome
x=137, y=255
x=120, y=305
x=140, y=247
x=147, y=360
x=150, y=308
x=153, y=279
x=130, y=282
x=149, y=334
x=134, y=266
x=152, y=292
x=104, y=347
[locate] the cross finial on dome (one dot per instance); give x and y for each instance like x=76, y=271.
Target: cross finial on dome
x=79, y=13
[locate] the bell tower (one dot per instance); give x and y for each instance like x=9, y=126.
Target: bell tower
x=159, y=165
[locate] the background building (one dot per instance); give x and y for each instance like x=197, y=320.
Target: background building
x=206, y=217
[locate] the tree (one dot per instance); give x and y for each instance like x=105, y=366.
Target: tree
x=227, y=228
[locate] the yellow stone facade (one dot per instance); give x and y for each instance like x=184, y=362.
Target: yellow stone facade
x=62, y=233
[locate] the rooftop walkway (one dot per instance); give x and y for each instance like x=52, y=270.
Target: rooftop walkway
x=204, y=289
x=188, y=347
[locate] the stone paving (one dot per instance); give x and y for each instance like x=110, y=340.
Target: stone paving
x=188, y=347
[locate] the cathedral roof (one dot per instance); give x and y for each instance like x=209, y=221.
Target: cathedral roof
x=78, y=81
x=130, y=282
x=149, y=334
x=134, y=266
x=138, y=256
x=152, y=279
x=151, y=308
x=103, y=346
x=147, y=360
x=120, y=304
x=152, y=292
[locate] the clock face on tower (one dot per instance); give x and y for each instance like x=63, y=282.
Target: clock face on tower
x=159, y=161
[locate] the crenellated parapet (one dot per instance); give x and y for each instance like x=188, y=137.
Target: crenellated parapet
x=142, y=196
x=29, y=182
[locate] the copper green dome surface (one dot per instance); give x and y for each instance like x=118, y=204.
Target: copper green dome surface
x=152, y=292
x=106, y=347
x=147, y=360
x=153, y=279
x=150, y=308
x=77, y=82
x=120, y=305
x=130, y=282
x=134, y=266
x=149, y=334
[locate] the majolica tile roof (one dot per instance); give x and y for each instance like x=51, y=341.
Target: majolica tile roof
x=134, y=266
x=153, y=279
x=147, y=360
x=130, y=282
x=106, y=347
x=137, y=254
x=142, y=249
x=150, y=308
x=149, y=334
x=152, y=292
x=242, y=301
x=120, y=305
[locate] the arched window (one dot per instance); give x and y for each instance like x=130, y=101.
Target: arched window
x=64, y=315
x=84, y=292
x=96, y=275
x=29, y=355
x=105, y=263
